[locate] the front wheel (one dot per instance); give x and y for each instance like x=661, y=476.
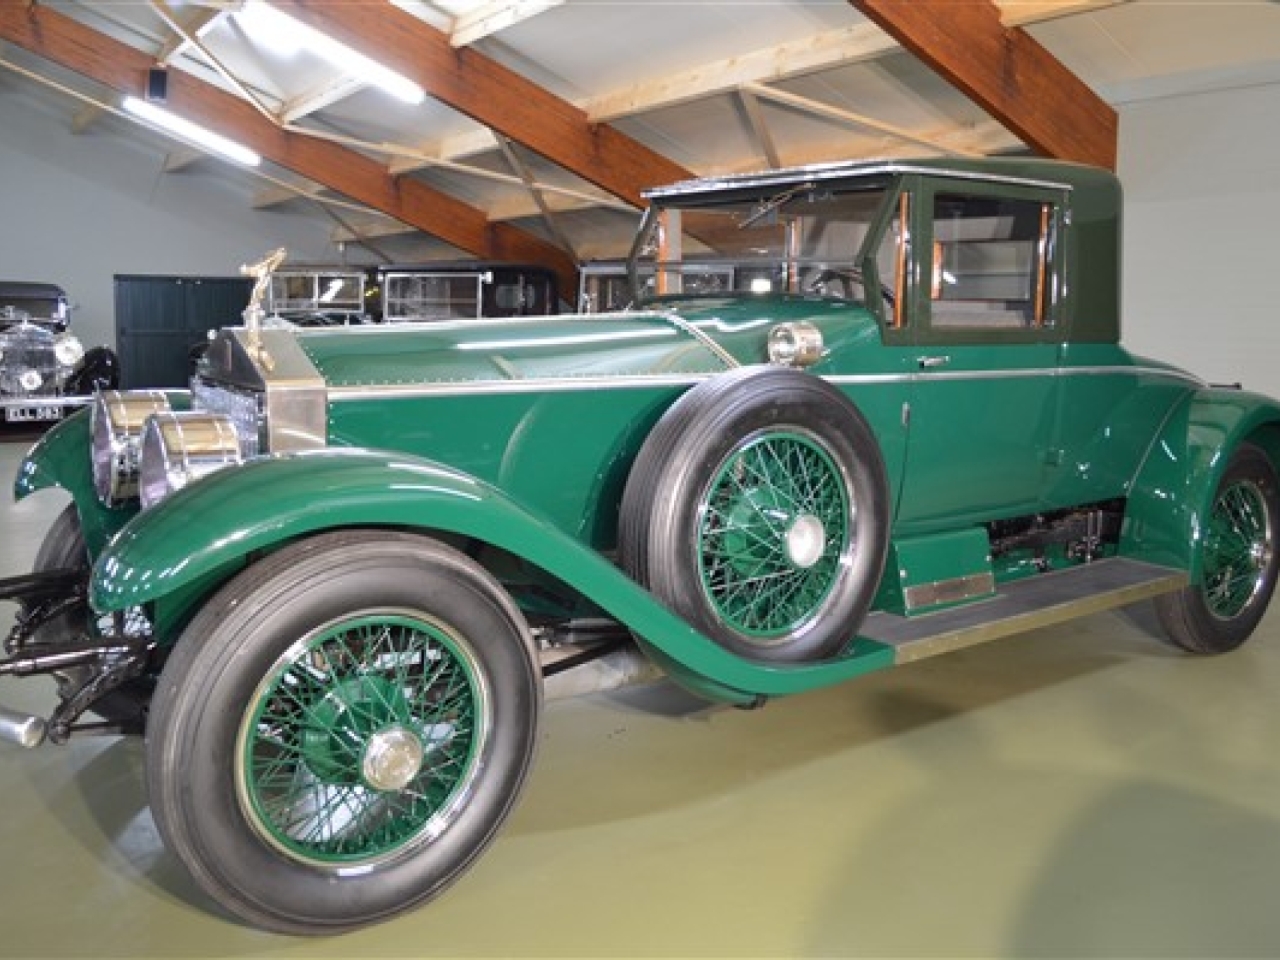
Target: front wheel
x=1239, y=561
x=342, y=729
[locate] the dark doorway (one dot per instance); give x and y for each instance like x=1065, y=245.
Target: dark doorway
x=159, y=320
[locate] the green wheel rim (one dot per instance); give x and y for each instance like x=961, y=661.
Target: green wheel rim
x=363, y=739
x=775, y=531
x=1237, y=549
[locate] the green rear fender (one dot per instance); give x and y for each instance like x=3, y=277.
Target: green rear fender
x=1174, y=488
x=183, y=548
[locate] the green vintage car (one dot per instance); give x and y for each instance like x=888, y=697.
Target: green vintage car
x=327, y=581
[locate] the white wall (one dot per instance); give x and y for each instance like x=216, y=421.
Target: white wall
x=1202, y=232
x=76, y=209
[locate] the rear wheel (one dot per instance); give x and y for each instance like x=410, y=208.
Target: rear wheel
x=1239, y=560
x=342, y=730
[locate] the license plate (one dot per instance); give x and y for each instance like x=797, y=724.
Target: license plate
x=29, y=414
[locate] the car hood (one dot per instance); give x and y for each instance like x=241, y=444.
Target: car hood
x=694, y=337
x=685, y=337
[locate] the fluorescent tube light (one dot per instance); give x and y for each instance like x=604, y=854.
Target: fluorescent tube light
x=287, y=36
x=191, y=132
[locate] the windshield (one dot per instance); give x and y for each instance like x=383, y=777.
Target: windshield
x=801, y=240
x=37, y=308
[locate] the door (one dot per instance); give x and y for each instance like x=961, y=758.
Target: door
x=159, y=320
x=982, y=320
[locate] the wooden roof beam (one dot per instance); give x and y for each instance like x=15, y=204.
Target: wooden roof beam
x=825, y=51
x=493, y=95
x=60, y=39
x=1006, y=72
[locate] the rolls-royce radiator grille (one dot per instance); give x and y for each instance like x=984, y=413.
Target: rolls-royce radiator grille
x=244, y=407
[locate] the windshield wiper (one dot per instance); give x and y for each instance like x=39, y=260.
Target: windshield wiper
x=773, y=203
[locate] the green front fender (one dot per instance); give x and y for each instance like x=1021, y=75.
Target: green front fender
x=61, y=458
x=1174, y=489
x=203, y=533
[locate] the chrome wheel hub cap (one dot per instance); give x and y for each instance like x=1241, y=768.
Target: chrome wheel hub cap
x=392, y=758
x=806, y=541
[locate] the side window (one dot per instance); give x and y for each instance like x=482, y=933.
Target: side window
x=990, y=261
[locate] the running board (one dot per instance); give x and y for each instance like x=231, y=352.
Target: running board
x=1036, y=601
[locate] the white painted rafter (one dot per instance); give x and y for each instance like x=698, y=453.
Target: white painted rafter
x=194, y=24
x=85, y=117
x=1020, y=13
x=181, y=158
x=332, y=91
x=863, y=41
x=535, y=191
x=374, y=230
x=494, y=16
x=755, y=116
x=818, y=108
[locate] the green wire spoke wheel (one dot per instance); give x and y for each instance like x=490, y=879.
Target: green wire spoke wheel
x=775, y=524
x=757, y=509
x=1238, y=548
x=342, y=730
x=1238, y=561
x=363, y=740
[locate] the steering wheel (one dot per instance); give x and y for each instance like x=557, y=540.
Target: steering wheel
x=846, y=276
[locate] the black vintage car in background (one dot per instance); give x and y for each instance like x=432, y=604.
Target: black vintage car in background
x=466, y=289
x=44, y=368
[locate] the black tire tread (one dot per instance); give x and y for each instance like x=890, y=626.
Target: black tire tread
x=1188, y=624
x=183, y=695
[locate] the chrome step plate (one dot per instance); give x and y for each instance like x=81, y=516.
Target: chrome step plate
x=1037, y=601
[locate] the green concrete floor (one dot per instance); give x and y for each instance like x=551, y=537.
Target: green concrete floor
x=1078, y=791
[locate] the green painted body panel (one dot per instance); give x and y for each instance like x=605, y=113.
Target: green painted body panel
x=1110, y=407
x=978, y=444
x=209, y=525
x=61, y=459
x=941, y=558
x=566, y=453
x=520, y=444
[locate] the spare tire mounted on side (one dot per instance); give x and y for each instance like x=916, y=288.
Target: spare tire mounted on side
x=758, y=510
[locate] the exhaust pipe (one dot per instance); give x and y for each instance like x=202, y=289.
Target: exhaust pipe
x=23, y=729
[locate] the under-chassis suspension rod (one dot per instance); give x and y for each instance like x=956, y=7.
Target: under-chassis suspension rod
x=100, y=666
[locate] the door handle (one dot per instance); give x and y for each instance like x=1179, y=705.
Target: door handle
x=929, y=363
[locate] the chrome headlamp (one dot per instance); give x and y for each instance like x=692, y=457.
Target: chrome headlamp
x=117, y=420
x=67, y=349
x=178, y=448
x=795, y=344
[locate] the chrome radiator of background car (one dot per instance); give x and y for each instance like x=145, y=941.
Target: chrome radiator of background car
x=29, y=365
